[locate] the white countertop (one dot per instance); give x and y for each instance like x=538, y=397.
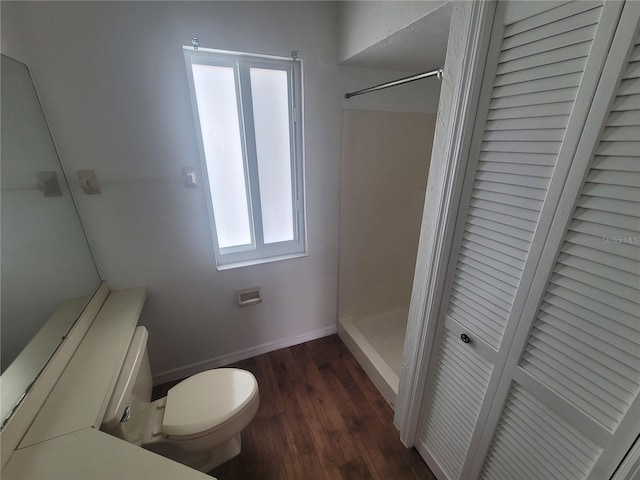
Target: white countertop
x=92, y=454
x=63, y=441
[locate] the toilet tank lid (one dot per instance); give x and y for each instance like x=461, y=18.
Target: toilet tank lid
x=207, y=399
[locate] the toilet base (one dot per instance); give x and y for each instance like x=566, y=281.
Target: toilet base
x=203, y=461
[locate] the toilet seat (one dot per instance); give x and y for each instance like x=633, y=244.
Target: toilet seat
x=208, y=401
x=198, y=423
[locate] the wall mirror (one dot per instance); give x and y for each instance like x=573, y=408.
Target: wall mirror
x=47, y=271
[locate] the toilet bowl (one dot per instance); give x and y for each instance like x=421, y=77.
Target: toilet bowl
x=197, y=424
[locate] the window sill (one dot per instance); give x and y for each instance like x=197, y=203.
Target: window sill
x=259, y=261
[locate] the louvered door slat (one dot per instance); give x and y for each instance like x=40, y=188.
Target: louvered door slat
x=633, y=71
x=607, y=191
x=600, y=282
x=498, y=257
x=624, y=149
x=509, y=200
x=602, y=302
x=626, y=102
x=568, y=17
x=499, y=470
x=622, y=134
x=591, y=267
x=538, y=98
x=530, y=159
x=608, y=205
x=619, y=242
x=623, y=118
x=546, y=135
x=507, y=189
x=505, y=209
x=500, y=218
x=456, y=401
x=614, y=369
x=574, y=247
x=488, y=291
x=522, y=146
x=604, y=233
x=630, y=87
x=583, y=326
x=571, y=364
x=560, y=54
x=580, y=35
x=563, y=108
x=541, y=85
x=537, y=461
x=546, y=71
x=575, y=378
x=625, y=164
x=515, y=168
x=499, y=246
x=521, y=466
x=616, y=178
x=595, y=310
x=465, y=395
x=549, y=121
x=484, y=263
x=618, y=220
x=496, y=240
x=473, y=275
x=479, y=298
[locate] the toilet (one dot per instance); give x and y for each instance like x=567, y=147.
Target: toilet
x=197, y=424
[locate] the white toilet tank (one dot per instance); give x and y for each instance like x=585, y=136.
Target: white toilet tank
x=125, y=416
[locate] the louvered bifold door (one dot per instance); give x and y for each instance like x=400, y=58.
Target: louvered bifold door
x=540, y=75
x=571, y=407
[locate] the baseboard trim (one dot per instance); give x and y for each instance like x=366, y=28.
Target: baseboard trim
x=222, y=360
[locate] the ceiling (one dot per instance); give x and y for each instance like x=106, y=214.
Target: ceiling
x=420, y=46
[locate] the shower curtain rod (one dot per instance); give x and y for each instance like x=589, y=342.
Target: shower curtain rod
x=394, y=83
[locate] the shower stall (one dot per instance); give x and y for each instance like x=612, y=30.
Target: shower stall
x=384, y=174
x=389, y=115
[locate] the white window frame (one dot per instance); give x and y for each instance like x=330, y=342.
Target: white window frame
x=257, y=252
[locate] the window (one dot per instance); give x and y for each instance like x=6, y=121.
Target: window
x=249, y=128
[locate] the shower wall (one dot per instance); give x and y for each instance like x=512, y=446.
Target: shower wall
x=385, y=162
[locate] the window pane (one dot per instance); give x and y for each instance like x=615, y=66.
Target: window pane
x=270, y=95
x=218, y=111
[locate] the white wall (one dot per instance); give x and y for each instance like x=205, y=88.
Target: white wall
x=363, y=23
x=112, y=81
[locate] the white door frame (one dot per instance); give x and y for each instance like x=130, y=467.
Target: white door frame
x=469, y=34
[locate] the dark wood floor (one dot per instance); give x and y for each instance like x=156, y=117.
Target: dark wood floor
x=320, y=417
